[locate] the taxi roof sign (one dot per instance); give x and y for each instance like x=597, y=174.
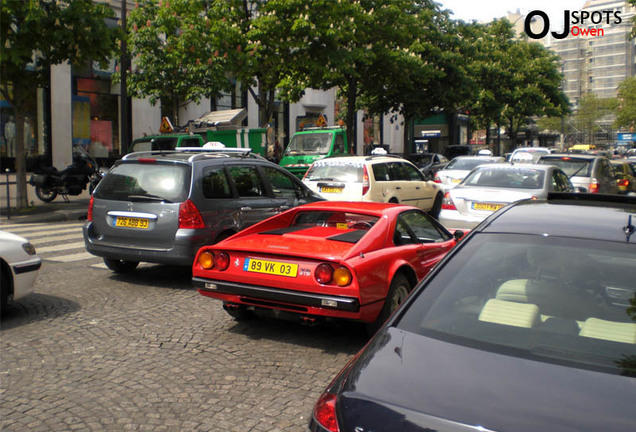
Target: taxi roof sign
x=166, y=126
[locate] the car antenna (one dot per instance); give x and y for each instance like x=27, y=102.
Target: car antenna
x=630, y=228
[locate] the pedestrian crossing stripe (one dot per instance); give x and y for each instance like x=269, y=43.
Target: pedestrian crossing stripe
x=64, y=246
x=71, y=258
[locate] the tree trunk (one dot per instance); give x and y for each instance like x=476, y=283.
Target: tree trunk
x=406, y=148
x=20, y=160
x=175, y=112
x=351, y=114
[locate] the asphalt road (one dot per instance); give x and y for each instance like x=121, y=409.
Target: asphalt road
x=95, y=351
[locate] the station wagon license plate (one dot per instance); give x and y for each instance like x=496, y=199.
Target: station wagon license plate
x=129, y=222
x=270, y=267
x=331, y=189
x=487, y=206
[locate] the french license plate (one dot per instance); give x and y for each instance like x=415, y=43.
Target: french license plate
x=270, y=267
x=330, y=189
x=487, y=206
x=456, y=180
x=129, y=222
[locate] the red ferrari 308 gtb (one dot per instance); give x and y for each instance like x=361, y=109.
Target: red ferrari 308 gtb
x=347, y=260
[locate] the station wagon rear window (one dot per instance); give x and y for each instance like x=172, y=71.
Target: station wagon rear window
x=571, y=166
x=145, y=182
x=336, y=171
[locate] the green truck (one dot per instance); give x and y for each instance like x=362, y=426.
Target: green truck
x=231, y=138
x=313, y=144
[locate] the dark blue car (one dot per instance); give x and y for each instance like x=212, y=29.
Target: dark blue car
x=528, y=325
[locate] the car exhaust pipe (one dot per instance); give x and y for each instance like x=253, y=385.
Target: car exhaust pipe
x=231, y=307
x=307, y=321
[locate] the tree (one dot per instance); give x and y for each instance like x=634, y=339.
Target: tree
x=426, y=74
x=38, y=34
x=626, y=110
x=591, y=110
x=179, y=52
x=535, y=86
x=490, y=70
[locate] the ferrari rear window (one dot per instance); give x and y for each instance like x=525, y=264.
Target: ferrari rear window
x=335, y=219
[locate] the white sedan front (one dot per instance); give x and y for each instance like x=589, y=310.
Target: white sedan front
x=19, y=266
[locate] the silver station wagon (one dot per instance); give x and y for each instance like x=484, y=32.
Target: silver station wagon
x=162, y=206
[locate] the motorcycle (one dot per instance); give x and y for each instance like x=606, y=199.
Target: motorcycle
x=73, y=180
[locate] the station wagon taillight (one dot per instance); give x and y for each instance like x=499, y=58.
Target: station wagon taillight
x=365, y=181
x=189, y=216
x=594, y=186
x=89, y=216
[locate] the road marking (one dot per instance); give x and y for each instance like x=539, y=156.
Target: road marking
x=39, y=234
x=21, y=228
x=56, y=239
x=61, y=247
x=72, y=257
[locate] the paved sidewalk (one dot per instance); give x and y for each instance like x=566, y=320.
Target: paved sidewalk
x=38, y=211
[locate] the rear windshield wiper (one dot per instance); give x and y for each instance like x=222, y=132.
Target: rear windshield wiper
x=321, y=179
x=147, y=198
x=577, y=171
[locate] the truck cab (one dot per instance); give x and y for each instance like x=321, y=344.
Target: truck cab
x=313, y=144
x=165, y=142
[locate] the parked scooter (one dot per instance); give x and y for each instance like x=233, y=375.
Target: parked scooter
x=73, y=180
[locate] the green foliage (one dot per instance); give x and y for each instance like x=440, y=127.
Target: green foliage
x=36, y=34
x=626, y=110
x=180, y=51
x=591, y=110
x=517, y=79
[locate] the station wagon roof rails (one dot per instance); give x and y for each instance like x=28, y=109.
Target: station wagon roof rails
x=200, y=151
x=388, y=155
x=321, y=128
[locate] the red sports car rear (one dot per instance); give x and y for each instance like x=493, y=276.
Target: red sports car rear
x=327, y=259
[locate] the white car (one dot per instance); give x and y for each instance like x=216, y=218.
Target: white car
x=19, y=266
x=529, y=154
x=490, y=187
x=374, y=178
x=459, y=167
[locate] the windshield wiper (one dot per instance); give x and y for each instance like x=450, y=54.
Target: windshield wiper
x=321, y=179
x=577, y=171
x=147, y=198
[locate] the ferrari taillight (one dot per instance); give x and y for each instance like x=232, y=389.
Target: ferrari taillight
x=447, y=202
x=342, y=276
x=365, y=181
x=325, y=412
x=206, y=260
x=222, y=260
x=324, y=273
